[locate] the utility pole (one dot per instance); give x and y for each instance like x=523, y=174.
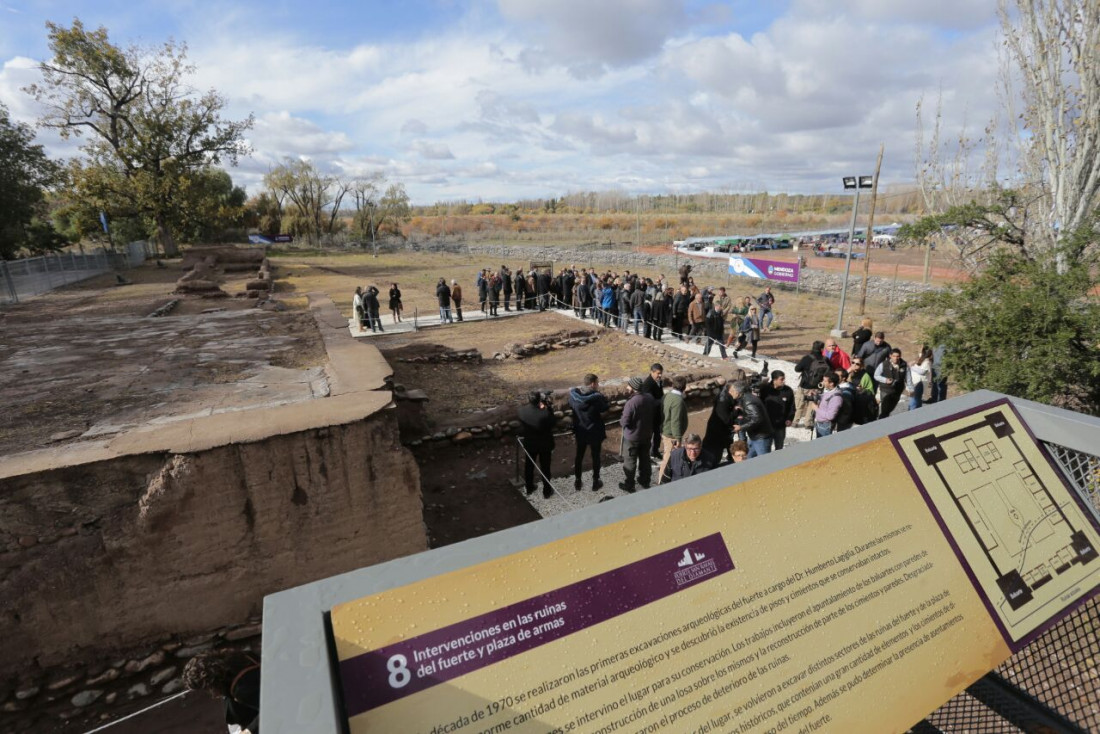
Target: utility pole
x=870, y=235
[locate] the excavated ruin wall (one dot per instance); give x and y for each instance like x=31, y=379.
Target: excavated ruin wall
x=117, y=553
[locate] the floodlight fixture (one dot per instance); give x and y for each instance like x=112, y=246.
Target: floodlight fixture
x=849, y=182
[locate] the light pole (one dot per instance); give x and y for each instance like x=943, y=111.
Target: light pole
x=857, y=183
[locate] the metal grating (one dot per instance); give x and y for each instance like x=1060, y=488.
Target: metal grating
x=1083, y=472
x=965, y=714
x=1061, y=669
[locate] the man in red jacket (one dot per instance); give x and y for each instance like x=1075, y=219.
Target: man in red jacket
x=837, y=358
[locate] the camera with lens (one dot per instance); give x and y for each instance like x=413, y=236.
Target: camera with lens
x=755, y=382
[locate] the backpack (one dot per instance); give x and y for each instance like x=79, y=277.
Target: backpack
x=846, y=414
x=815, y=373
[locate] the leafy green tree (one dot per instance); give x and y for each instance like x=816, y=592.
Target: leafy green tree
x=25, y=172
x=147, y=131
x=1022, y=328
x=393, y=210
x=310, y=199
x=210, y=205
x=264, y=213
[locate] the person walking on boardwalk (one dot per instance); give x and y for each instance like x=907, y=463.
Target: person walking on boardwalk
x=396, y=307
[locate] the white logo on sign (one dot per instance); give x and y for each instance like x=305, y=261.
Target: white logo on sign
x=687, y=559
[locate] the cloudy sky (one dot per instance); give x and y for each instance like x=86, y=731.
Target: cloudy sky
x=510, y=99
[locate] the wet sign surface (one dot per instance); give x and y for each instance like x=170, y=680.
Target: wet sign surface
x=782, y=603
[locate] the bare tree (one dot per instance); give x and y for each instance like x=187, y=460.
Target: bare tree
x=1054, y=44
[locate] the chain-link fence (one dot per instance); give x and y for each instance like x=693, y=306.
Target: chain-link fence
x=1052, y=685
x=32, y=276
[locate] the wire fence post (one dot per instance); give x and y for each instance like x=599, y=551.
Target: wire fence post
x=13, y=295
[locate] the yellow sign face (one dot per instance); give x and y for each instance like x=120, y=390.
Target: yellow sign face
x=787, y=603
x=1022, y=534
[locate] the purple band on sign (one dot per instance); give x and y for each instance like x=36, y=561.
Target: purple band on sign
x=375, y=678
x=753, y=267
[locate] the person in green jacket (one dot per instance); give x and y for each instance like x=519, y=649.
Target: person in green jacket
x=674, y=421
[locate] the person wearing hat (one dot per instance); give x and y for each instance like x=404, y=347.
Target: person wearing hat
x=536, y=425
x=456, y=296
x=637, y=424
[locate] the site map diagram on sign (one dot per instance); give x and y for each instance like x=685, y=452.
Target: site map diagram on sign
x=1021, y=531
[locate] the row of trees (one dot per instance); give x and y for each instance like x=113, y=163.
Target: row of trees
x=152, y=147
x=302, y=201
x=901, y=199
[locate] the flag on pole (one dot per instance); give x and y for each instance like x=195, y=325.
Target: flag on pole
x=103, y=221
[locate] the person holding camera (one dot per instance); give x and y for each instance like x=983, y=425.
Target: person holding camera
x=753, y=420
x=536, y=425
x=812, y=368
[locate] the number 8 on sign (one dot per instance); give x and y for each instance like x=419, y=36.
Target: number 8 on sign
x=399, y=671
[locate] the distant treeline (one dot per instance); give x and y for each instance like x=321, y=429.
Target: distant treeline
x=892, y=200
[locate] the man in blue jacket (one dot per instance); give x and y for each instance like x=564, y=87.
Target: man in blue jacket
x=588, y=405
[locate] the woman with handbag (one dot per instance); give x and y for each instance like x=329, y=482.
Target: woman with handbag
x=749, y=331
x=395, y=303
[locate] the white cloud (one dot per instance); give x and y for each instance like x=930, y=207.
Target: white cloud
x=636, y=94
x=282, y=134
x=433, y=151
x=584, y=35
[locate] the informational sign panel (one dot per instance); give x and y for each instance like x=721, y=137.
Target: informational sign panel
x=793, y=602
x=754, y=267
x=1027, y=543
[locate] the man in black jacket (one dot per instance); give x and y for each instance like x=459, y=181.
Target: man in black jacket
x=688, y=460
x=520, y=283
x=652, y=387
x=589, y=405
x=542, y=286
x=778, y=399
x=443, y=293
x=680, y=305
x=637, y=307
x=754, y=420
x=506, y=283
x=874, y=353
x=536, y=422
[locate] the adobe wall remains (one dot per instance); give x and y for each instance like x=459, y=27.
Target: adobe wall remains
x=176, y=531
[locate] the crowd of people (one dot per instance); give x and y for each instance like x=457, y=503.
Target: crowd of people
x=836, y=391
x=627, y=301
x=832, y=389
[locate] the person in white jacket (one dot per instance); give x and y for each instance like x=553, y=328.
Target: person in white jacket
x=919, y=379
x=357, y=308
